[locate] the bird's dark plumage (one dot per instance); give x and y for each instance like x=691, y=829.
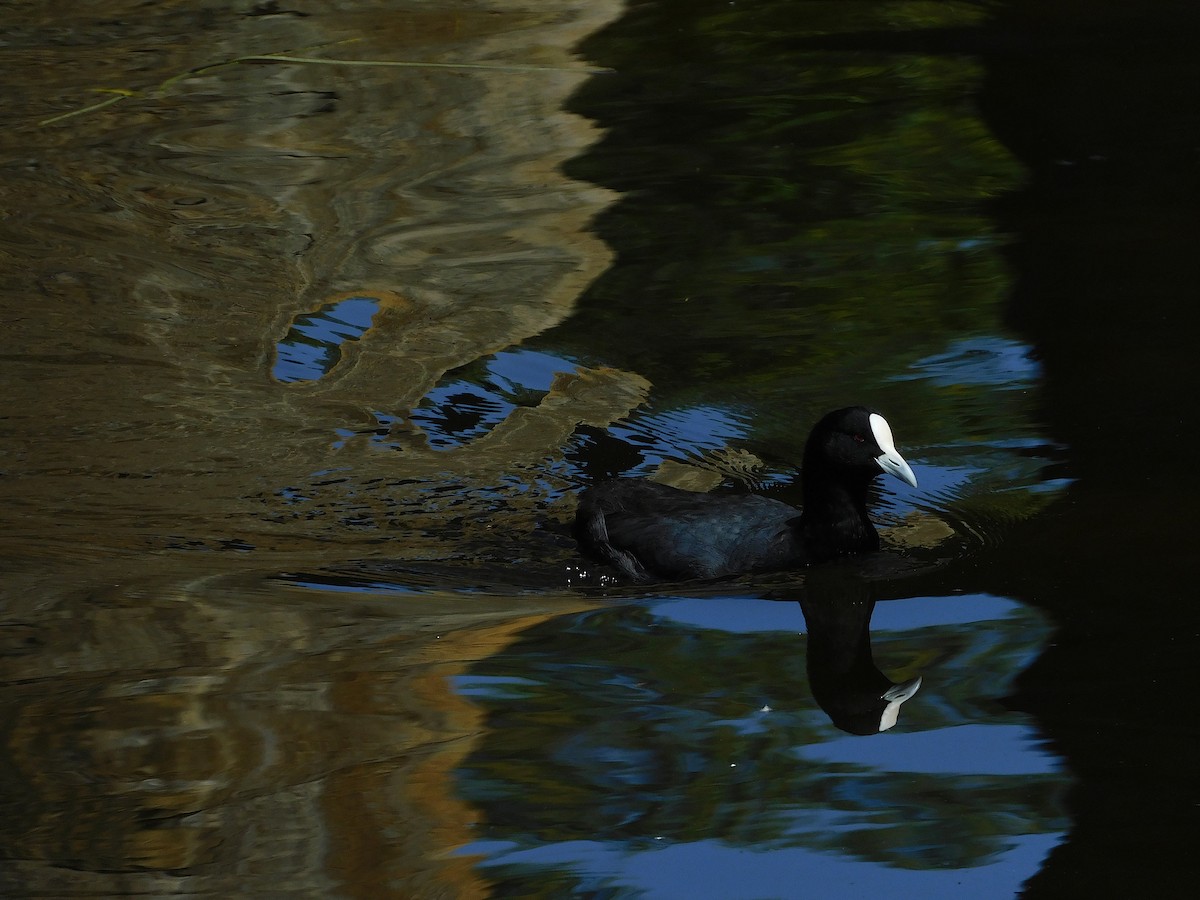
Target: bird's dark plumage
x=648, y=530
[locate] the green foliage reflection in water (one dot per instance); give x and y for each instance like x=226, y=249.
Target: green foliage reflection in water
x=802, y=224
x=628, y=730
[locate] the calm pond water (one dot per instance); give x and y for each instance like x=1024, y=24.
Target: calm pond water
x=305, y=364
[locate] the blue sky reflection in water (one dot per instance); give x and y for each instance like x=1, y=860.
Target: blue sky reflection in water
x=468, y=403
x=721, y=777
x=312, y=346
x=713, y=870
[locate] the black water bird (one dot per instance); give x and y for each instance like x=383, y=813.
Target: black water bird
x=648, y=530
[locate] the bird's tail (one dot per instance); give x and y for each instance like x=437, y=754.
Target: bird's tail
x=591, y=531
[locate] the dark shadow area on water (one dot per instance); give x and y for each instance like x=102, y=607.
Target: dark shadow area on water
x=1101, y=107
x=1107, y=121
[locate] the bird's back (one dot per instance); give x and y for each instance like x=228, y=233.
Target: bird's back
x=645, y=528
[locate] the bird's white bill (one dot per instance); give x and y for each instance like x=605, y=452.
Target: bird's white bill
x=890, y=460
x=895, y=696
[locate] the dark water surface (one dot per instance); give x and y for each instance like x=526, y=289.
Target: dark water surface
x=306, y=363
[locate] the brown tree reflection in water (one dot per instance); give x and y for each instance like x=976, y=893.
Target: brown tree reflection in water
x=166, y=728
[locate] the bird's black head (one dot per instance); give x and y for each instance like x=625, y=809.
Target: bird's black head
x=855, y=441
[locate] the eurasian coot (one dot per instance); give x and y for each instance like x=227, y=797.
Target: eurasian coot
x=648, y=530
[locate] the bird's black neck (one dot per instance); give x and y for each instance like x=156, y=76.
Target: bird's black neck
x=834, y=519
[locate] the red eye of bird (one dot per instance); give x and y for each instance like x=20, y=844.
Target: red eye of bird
x=860, y=439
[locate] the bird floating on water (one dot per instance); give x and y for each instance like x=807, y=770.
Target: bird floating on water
x=648, y=530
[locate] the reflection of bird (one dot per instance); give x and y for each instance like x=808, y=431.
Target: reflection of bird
x=845, y=682
x=646, y=529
